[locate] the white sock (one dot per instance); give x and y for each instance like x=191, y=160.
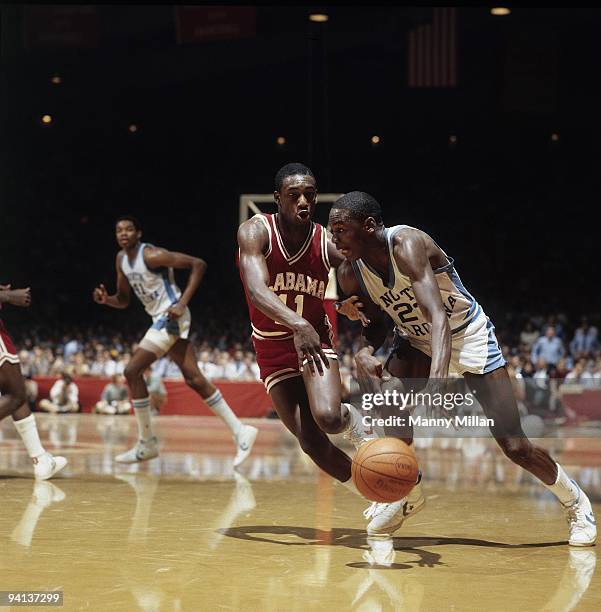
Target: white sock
x=142, y=412
x=220, y=407
x=566, y=490
x=28, y=431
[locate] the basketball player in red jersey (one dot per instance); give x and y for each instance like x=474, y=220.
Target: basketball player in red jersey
x=284, y=263
x=13, y=400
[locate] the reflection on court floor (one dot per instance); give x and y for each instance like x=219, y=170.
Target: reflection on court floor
x=187, y=532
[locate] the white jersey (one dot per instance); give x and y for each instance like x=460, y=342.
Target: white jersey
x=398, y=300
x=155, y=289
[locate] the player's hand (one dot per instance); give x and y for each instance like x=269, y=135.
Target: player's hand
x=176, y=311
x=19, y=297
x=435, y=390
x=308, y=346
x=100, y=295
x=369, y=371
x=350, y=308
x=5, y=287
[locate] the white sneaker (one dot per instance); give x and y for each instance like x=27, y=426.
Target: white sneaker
x=357, y=433
x=581, y=521
x=244, y=443
x=142, y=451
x=387, y=518
x=46, y=466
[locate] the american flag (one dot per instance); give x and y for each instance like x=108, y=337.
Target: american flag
x=433, y=51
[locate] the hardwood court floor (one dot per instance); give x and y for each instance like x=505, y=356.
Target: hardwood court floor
x=184, y=532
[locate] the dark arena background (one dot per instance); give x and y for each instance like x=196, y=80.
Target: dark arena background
x=477, y=124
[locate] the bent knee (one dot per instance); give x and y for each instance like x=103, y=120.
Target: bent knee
x=519, y=450
x=330, y=421
x=132, y=372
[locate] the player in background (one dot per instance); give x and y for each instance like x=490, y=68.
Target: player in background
x=148, y=270
x=284, y=262
x=439, y=324
x=13, y=400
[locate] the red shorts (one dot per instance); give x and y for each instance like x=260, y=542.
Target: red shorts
x=278, y=361
x=7, y=348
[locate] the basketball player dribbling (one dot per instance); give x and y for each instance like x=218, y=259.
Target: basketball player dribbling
x=13, y=398
x=284, y=262
x=148, y=270
x=439, y=324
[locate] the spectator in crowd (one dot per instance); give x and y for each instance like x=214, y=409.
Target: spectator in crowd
x=207, y=367
x=114, y=398
x=157, y=392
x=31, y=391
x=548, y=347
x=236, y=368
x=251, y=365
x=528, y=336
x=585, y=342
x=64, y=396
x=165, y=367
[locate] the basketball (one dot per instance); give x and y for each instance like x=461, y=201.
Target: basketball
x=384, y=469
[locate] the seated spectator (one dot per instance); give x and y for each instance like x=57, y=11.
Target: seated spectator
x=157, y=393
x=548, y=347
x=528, y=336
x=236, y=368
x=252, y=366
x=207, y=367
x=64, y=396
x=114, y=398
x=585, y=341
x=165, y=367
x=31, y=391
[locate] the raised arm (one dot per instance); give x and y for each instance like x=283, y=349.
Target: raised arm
x=410, y=254
x=119, y=299
x=155, y=257
x=253, y=240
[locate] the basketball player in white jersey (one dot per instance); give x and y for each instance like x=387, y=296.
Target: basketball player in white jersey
x=148, y=270
x=439, y=325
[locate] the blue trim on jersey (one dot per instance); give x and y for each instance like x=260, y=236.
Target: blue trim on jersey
x=168, y=287
x=446, y=268
x=464, y=325
x=459, y=285
x=495, y=357
x=359, y=278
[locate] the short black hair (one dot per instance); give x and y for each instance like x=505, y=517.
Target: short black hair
x=291, y=170
x=134, y=221
x=360, y=206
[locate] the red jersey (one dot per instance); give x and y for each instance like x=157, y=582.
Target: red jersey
x=298, y=279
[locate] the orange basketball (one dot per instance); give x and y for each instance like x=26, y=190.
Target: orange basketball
x=384, y=469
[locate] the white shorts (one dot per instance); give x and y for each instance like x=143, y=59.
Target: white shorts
x=165, y=332
x=474, y=349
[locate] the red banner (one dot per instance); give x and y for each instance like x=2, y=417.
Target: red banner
x=204, y=23
x=60, y=26
x=246, y=399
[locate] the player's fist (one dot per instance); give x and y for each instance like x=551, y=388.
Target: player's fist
x=100, y=294
x=19, y=297
x=176, y=311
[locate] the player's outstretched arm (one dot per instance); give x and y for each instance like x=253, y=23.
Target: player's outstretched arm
x=16, y=297
x=119, y=299
x=411, y=256
x=161, y=258
x=253, y=240
x=359, y=307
